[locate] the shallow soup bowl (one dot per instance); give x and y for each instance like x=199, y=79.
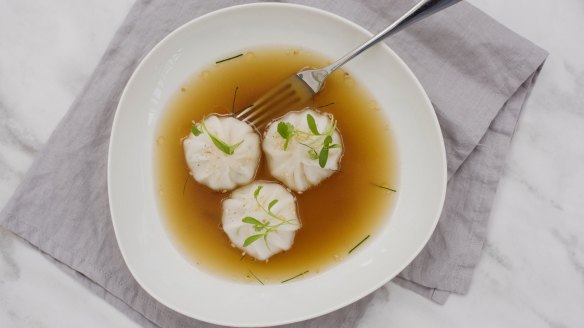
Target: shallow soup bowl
x=146, y=244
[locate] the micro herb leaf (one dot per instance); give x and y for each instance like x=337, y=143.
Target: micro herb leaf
x=312, y=125
x=324, y=152
x=220, y=144
x=327, y=141
x=226, y=59
x=265, y=228
x=286, y=131
x=250, y=220
x=256, y=193
x=359, y=243
x=251, y=239
x=323, y=157
x=196, y=132
x=312, y=154
x=234, y=147
x=272, y=203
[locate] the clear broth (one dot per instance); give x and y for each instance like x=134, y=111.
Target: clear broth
x=336, y=215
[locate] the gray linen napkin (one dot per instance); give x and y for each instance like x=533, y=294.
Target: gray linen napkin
x=477, y=73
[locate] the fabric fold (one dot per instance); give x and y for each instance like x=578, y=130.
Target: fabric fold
x=470, y=67
x=442, y=266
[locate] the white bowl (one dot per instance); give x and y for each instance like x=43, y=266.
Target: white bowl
x=142, y=236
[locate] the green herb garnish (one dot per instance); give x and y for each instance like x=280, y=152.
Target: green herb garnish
x=256, y=278
x=272, y=203
x=227, y=149
x=324, y=152
x=323, y=106
x=226, y=59
x=195, y=130
x=312, y=125
x=312, y=153
x=253, y=238
x=222, y=145
x=185, y=184
x=233, y=104
x=296, y=276
x=383, y=187
x=256, y=192
x=286, y=131
x=263, y=228
x=359, y=243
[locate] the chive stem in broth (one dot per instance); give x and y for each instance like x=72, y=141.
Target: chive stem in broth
x=185, y=185
x=256, y=278
x=226, y=59
x=296, y=276
x=383, y=187
x=233, y=104
x=323, y=106
x=359, y=244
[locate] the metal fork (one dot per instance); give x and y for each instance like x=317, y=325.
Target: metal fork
x=302, y=86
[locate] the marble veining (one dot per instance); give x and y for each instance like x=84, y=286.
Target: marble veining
x=574, y=250
x=532, y=270
x=493, y=252
x=9, y=271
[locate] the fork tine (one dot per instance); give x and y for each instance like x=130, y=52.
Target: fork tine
x=262, y=120
x=245, y=113
x=241, y=114
x=260, y=102
x=274, y=102
x=288, y=93
x=272, y=93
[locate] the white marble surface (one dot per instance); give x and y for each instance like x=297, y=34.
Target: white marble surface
x=532, y=271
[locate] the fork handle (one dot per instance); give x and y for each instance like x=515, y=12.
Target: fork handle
x=420, y=11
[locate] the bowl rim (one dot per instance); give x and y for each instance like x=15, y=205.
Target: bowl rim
x=337, y=305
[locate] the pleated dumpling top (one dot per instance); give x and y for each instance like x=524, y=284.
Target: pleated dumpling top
x=303, y=148
x=261, y=219
x=222, y=152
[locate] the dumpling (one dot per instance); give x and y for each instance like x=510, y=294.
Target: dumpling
x=222, y=152
x=303, y=148
x=261, y=219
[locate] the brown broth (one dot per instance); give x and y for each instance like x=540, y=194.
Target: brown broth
x=335, y=215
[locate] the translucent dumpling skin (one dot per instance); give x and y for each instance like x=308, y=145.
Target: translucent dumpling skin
x=222, y=152
x=261, y=219
x=303, y=148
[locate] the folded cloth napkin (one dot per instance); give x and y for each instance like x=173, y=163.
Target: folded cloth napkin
x=477, y=73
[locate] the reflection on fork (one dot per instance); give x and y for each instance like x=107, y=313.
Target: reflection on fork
x=302, y=86
x=289, y=94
